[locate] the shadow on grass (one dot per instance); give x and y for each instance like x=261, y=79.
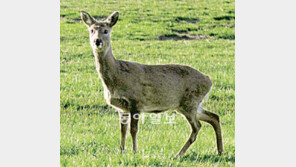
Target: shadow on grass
x=187, y=19
x=207, y=158
x=184, y=30
x=224, y=18
x=178, y=37
x=223, y=36
x=90, y=110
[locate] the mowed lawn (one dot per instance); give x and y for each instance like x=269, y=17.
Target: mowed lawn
x=199, y=34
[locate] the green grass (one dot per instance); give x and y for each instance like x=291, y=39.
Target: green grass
x=90, y=131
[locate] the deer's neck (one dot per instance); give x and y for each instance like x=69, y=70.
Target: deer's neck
x=105, y=65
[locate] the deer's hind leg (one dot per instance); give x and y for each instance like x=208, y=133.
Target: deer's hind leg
x=214, y=120
x=191, y=116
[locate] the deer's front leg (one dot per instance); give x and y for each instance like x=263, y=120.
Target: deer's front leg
x=124, y=118
x=134, y=128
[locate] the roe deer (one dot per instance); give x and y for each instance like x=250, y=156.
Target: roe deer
x=133, y=88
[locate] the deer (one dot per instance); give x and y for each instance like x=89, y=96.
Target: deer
x=133, y=88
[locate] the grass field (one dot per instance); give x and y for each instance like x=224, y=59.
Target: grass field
x=199, y=34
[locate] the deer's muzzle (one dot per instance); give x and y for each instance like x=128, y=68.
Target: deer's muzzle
x=98, y=42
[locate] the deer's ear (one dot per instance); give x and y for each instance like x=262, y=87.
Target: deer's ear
x=113, y=18
x=87, y=19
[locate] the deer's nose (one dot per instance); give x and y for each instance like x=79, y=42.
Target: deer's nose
x=98, y=42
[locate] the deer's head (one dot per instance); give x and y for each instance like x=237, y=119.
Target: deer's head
x=99, y=31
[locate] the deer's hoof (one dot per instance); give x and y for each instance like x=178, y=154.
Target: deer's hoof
x=122, y=151
x=178, y=156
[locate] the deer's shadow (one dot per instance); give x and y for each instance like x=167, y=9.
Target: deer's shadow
x=193, y=156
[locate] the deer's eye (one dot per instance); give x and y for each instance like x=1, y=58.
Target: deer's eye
x=92, y=31
x=106, y=32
